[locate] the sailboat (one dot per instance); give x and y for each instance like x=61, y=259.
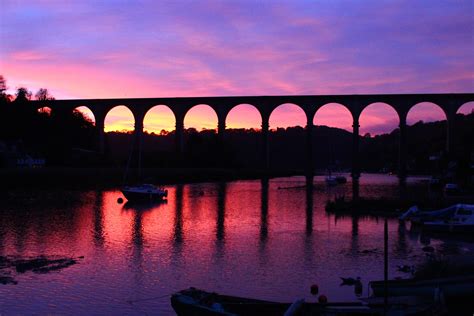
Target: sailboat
x=332, y=180
x=143, y=191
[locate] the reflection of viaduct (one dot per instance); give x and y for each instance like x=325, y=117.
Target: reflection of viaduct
x=401, y=103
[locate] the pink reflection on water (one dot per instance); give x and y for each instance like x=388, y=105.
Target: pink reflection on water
x=268, y=239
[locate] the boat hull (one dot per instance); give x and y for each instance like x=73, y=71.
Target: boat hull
x=197, y=302
x=143, y=196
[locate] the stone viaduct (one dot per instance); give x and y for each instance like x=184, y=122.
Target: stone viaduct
x=401, y=103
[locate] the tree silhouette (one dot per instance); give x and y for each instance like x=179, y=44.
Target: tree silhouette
x=3, y=85
x=4, y=97
x=23, y=95
x=43, y=95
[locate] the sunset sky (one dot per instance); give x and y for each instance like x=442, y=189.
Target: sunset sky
x=120, y=49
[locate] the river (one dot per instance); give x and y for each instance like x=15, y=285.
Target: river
x=264, y=239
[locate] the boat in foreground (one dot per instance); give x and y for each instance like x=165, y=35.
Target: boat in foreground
x=197, y=302
x=144, y=192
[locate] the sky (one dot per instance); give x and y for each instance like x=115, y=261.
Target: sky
x=120, y=49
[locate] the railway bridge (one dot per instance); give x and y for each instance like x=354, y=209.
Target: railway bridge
x=401, y=103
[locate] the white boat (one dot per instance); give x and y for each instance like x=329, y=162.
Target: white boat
x=144, y=192
x=330, y=180
x=462, y=221
x=335, y=180
x=452, y=189
x=417, y=216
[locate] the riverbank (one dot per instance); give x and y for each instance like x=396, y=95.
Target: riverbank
x=112, y=177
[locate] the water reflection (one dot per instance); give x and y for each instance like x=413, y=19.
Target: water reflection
x=220, y=220
x=402, y=243
x=98, y=232
x=178, y=218
x=355, y=188
x=263, y=211
x=244, y=238
x=137, y=242
x=221, y=195
x=143, y=206
x=309, y=205
x=355, y=235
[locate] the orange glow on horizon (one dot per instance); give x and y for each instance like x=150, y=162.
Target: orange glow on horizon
x=287, y=115
x=86, y=112
x=201, y=117
x=244, y=116
x=120, y=118
x=159, y=118
x=333, y=115
x=378, y=118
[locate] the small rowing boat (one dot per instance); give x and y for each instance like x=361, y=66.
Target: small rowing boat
x=197, y=302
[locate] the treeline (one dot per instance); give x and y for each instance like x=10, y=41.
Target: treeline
x=53, y=136
x=426, y=147
x=332, y=148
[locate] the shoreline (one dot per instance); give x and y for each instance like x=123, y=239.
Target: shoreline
x=71, y=177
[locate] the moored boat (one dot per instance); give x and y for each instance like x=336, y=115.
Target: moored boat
x=461, y=222
x=415, y=215
x=331, y=181
x=451, y=189
x=335, y=180
x=144, y=192
x=196, y=302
